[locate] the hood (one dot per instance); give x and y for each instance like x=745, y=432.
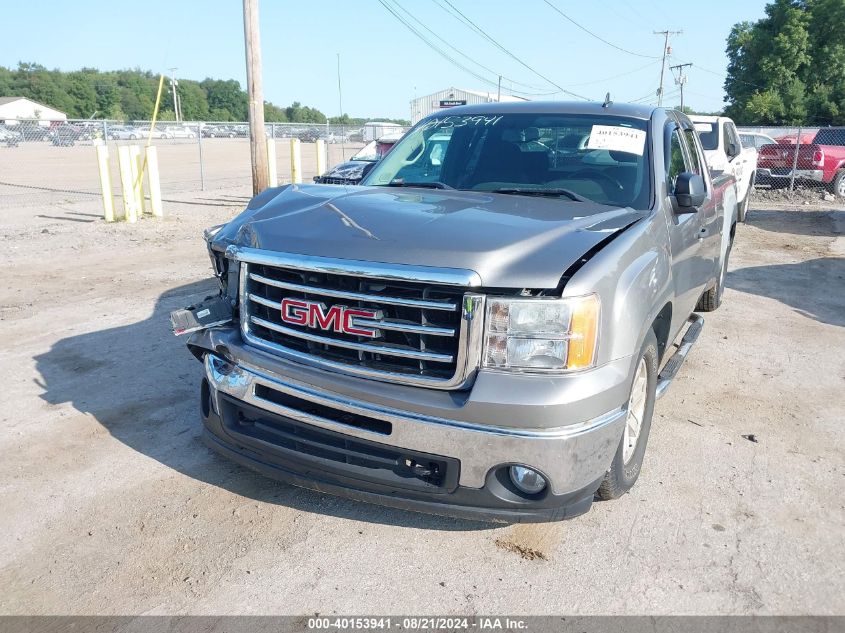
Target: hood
x=509, y=241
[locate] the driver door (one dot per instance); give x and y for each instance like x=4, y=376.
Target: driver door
x=685, y=229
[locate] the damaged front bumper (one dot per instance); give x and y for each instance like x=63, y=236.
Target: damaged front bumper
x=409, y=447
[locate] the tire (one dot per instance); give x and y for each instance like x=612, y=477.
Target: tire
x=712, y=298
x=838, y=185
x=628, y=460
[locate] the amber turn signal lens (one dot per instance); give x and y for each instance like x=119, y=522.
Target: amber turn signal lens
x=583, y=329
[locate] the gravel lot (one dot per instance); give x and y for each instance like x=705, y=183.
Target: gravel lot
x=111, y=504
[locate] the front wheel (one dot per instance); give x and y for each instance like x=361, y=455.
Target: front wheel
x=628, y=460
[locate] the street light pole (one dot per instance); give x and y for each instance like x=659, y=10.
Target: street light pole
x=175, y=96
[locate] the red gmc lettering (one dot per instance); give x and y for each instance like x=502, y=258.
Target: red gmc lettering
x=327, y=321
x=336, y=318
x=349, y=328
x=294, y=311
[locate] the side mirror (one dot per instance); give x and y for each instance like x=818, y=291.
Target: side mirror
x=689, y=192
x=732, y=150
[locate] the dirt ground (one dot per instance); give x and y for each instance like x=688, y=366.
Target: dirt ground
x=111, y=504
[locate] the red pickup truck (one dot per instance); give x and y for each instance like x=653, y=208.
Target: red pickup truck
x=822, y=161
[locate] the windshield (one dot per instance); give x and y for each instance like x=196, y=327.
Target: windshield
x=601, y=158
x=708, y=133
x=367, y=153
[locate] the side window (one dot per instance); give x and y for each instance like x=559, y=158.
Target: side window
x=693, y=150
x=674, y=159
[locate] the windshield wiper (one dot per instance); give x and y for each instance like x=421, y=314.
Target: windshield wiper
x=424, y=185
x=554, y=193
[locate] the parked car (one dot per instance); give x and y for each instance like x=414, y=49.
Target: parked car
x=310, y=135
x=9, y=138
x=144, y=133
x=65, y=135
x=180, y=131
x=485, y=341
x=217, y=131
x=755, y=139
x=725, y=152
x=820, y=162
x=32, y=131
x=124, y=133
x=352, y=171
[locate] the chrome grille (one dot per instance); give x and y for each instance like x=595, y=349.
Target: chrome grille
x=424, y=329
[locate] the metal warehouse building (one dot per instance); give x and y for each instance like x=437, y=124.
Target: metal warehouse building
x=450, y=97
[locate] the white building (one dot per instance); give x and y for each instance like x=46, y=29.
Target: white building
x=451, y=97
x=14, y=108
x=374, y=130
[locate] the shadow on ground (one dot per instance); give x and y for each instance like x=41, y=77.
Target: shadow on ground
x=814, y=288
x=799, y=221
x=141, y=383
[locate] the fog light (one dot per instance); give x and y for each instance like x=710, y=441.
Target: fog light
x=527, y=480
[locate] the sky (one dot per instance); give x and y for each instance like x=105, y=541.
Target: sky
x=383, y=64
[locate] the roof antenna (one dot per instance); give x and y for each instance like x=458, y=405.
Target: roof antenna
x=607, y=102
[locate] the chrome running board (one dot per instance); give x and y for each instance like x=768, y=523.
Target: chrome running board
x=673, y=365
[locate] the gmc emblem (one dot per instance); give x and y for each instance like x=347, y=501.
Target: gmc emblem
x=337, y=318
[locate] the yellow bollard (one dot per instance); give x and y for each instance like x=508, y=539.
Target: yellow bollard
x=105, y=182
x=130, y=204
x=295, y=161
x=273, y=177
x=154, y=182
x=138, y=177
x=321, y=157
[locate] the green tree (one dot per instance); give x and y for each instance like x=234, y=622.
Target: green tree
x=789, y=66
x=226, y=95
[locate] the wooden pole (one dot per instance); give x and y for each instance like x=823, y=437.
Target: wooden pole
x=255, y=92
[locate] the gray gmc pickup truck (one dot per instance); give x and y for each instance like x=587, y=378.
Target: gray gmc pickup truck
x=479, y=330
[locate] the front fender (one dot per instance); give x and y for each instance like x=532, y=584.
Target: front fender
x=633, y=278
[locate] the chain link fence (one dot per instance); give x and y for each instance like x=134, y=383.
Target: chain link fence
x=791, y=162
x=53, y=162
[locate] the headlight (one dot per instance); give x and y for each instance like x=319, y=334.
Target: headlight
x=541, y=334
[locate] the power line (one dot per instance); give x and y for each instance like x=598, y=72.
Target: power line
x=434, y=47
x=598, y=37
x=448, y=57
x=630, y=72
x=454, y=48
x=463, y=18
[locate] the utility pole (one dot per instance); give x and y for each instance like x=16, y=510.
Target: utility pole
x=173, y=85
x=666, y=51
x=499, y=94
x=255, y=93
x=681, y=80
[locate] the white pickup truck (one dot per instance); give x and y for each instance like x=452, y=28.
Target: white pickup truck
x=725, y=152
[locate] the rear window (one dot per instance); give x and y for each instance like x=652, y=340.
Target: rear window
x=708, y=133
x=830, y=136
